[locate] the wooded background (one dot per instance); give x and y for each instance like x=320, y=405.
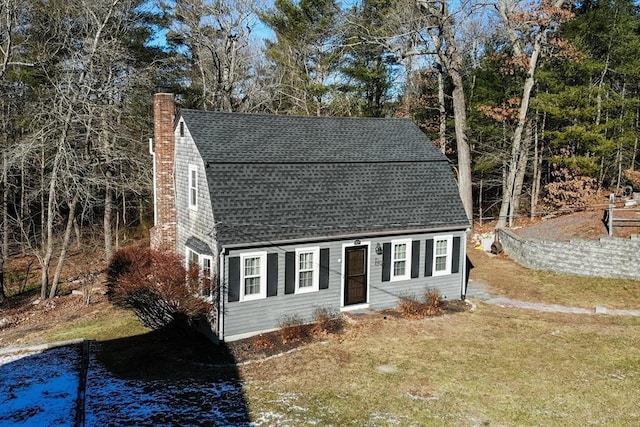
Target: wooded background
x=536, y=103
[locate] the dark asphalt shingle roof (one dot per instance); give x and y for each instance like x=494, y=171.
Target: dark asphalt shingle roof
x=279, y=178
x=261, y=138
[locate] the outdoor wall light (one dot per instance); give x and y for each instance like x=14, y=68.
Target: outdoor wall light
x=378, y=249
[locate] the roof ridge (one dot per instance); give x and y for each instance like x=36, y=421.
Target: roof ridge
x=296, y=116
x=323, y=162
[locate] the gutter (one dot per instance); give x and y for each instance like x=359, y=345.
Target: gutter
x=345, y=237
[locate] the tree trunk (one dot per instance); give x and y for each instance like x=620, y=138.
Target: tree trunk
x=449, y=55
x=465, y=185
x=76, y=229
x=537, y=171
x=442, y=109
x=514, y=204
x=516, y=144
x=45, y=260
x=4, y=250
x=65, y=245
x=506, y=10
x=632, y=164
x=107, y=220
x=3, y=296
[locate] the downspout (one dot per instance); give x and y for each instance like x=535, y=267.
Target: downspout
x=222, y=293
x=463, y=288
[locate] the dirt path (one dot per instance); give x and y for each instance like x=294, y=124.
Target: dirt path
x=579, y=225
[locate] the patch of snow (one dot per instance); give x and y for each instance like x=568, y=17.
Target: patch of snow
x=386, y=369
x=39, y=389
x=116, y=401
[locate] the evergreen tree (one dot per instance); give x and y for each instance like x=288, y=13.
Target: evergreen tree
x=366, y=66
x=592, y=101
x=304, y=55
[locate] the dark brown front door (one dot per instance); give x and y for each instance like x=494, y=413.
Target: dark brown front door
x=355, y=275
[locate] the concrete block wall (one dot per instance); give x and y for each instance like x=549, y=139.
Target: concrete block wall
x=612, y=257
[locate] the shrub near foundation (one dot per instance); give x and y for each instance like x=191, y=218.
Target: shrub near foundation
x=327, y=321
x=157, y=287
x=414, y=307
x=292, y=329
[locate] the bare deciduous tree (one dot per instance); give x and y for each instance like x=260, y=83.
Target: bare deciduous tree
x=528, y=29
x=85, y=153
x=213, y=37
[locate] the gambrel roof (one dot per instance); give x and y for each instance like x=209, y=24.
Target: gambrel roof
x=282, y=178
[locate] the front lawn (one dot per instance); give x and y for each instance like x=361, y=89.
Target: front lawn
x=493, y=366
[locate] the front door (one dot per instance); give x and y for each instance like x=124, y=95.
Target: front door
x=355, y=275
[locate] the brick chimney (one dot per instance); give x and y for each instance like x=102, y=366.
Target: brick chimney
x=163, y=233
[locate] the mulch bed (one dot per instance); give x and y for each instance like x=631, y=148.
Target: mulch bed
x=270, y=344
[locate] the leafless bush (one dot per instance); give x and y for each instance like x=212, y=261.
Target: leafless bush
x=410, y=305
x=414, y=307
x=293, y=329
x=157, y=287
x=327, y=321
x=433, y=302
x=570, y=191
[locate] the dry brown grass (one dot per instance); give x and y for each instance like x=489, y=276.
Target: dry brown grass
x=493, y=366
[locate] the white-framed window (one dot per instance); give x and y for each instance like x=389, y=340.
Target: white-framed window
x=193, y=187
x=401, y=259
x=192, y=258
x=307, y=269
x=204, y=263
x=442, y=248
x=253, y=276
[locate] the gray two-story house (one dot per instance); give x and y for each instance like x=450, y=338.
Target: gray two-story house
x=289, y=214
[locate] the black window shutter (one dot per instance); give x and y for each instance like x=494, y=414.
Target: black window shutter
x=324, y=268
x=455, y=255
x=272, y=275
x=428, y=259
x=289, y=272
x=415, y=259
x=386, y=262
x=234, y=279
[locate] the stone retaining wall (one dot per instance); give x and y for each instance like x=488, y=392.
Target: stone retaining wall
x=607, y=257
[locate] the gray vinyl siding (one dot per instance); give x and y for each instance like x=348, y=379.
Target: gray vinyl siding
x=244, y=318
